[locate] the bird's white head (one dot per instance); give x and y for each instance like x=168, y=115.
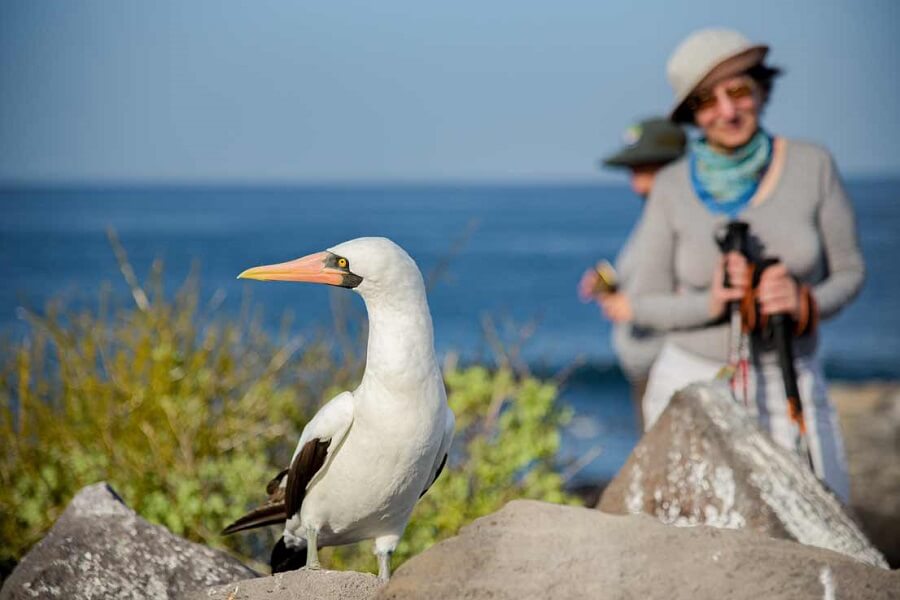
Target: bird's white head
x=371, y=266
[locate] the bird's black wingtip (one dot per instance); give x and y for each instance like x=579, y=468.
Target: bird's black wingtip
x=285, y=559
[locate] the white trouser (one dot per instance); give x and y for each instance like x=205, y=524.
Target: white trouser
x=675, y=368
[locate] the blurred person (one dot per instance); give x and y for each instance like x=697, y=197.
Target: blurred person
x=792, y=197
x=649, y=146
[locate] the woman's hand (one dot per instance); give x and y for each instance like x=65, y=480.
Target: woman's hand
x=586, y=285
x=616, y=307
x=738, y=271
x=778, y=292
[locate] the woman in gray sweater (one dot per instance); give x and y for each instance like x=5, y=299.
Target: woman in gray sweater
x=791, y=196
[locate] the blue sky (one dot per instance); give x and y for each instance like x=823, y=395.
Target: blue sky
x=219, y=91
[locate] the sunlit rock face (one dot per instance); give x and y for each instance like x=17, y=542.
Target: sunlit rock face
x=538, y=550
x=706, y=462
x=100, y=548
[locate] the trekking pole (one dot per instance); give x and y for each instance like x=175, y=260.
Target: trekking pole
x=780, y=327
x=735, y=240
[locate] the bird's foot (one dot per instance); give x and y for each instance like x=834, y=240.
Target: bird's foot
x=316, y=566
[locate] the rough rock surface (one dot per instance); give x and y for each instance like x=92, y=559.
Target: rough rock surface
x=100, y=548
x=870, y=421
x=297, y=585
x=707, y=462
x=536, y=550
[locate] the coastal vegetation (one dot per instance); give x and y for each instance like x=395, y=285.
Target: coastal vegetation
x=188, y=411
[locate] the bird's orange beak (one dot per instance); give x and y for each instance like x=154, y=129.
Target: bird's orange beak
x=312, y=268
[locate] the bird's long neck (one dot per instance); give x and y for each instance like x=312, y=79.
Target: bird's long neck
x=401, y=339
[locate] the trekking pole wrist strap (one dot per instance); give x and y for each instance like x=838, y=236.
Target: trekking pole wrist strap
x=808, y=313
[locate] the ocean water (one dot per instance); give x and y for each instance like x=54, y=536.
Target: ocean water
x=511, y=255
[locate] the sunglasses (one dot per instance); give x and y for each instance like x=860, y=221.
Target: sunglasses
x=707, y=98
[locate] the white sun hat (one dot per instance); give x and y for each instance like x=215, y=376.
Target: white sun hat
x=705, y=56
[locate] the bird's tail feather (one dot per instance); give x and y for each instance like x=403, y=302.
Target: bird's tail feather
x=267, y=514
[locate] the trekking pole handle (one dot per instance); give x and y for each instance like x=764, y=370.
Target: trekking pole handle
x=734, y=239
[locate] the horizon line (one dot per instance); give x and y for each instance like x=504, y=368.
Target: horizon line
x=601, y=180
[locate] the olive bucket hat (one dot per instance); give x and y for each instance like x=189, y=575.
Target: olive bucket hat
x=653, y=141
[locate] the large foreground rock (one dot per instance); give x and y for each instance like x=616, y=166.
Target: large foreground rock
x=870, y=420
x=706, y=462
x=297, y=585
x=100, y=548
x=535, y=550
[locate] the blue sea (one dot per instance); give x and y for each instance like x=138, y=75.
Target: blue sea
x=509, y=255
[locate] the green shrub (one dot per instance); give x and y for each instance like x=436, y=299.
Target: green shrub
x=188, y=413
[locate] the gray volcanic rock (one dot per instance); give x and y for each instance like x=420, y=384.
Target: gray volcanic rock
x=100, y=548
x=297, y=585
x=536, y=550
x=706, y=462
x=870, y=421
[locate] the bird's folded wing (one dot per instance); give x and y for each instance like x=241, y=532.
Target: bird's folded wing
x=443, y=451
x=320, y=441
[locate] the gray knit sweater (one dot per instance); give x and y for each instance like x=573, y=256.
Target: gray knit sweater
x=807, y=221
x=636, y=347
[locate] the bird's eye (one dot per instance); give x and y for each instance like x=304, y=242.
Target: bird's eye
x=342, y=262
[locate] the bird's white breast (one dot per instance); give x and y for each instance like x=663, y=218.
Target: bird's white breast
x=382, y=466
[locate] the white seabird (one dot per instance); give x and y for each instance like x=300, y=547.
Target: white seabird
x=367, y=456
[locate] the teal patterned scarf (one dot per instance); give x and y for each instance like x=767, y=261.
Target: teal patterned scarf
x=726, y=182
